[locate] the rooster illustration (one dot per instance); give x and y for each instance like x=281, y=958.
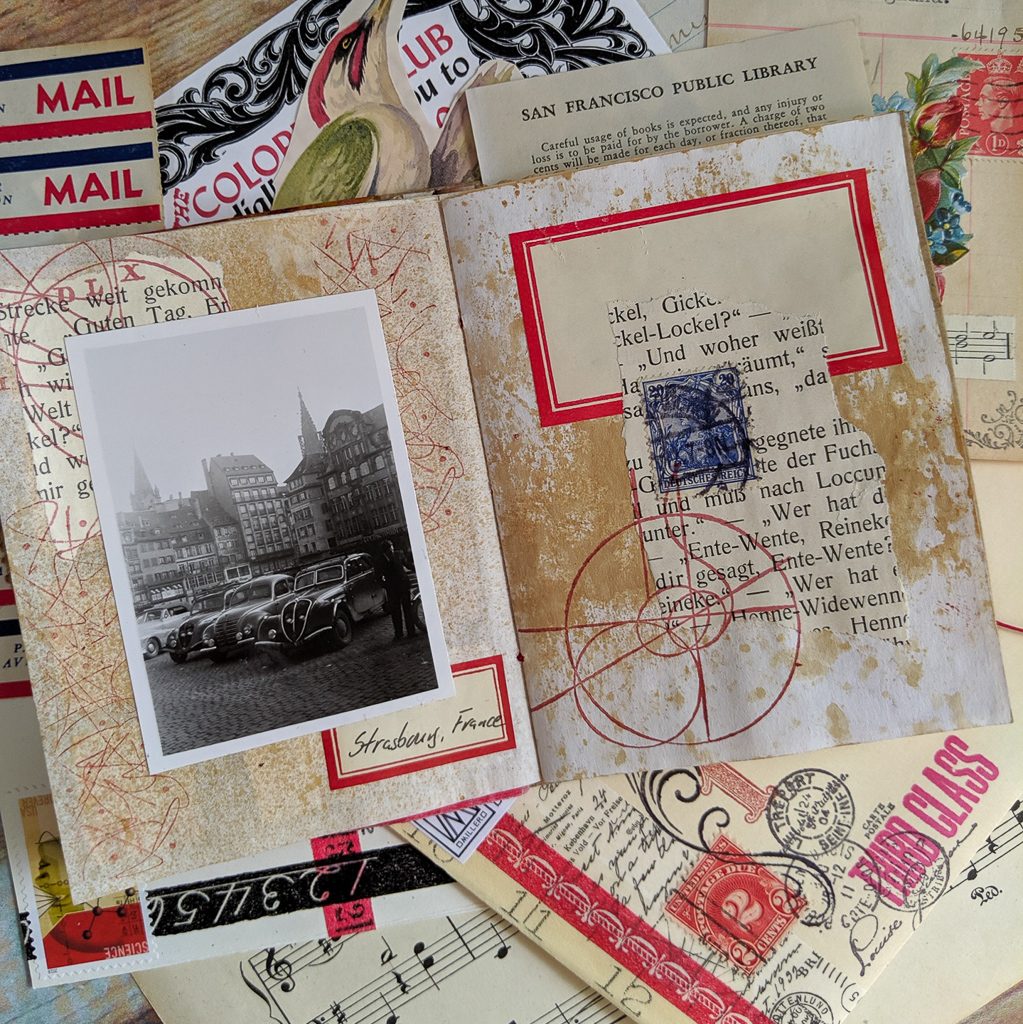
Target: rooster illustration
x=359, y=130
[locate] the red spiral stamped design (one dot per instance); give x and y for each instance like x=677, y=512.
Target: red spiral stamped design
x=735, y=905
x=690, y=629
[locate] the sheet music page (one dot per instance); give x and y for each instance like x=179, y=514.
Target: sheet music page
x=982, y=347
x=456, y=970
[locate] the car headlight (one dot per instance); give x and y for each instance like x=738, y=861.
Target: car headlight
x=172, y=640
x=248, y=630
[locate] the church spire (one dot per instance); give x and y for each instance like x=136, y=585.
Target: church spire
x=143, y=495
x=309, y=440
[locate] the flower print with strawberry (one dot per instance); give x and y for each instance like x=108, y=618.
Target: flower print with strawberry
x=934, y=113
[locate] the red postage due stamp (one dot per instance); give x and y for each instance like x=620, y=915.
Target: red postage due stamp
x=735, y=905
x=992, y=98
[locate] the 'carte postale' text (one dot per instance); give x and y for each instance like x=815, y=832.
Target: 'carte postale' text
x=898, y=855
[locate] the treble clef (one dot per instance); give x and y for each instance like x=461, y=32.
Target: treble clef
x=279, y=968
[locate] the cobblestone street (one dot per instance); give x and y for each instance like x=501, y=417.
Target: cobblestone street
x=199, y=702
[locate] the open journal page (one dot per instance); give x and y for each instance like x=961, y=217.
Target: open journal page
x=782, y=553
x=260, y=542
x=955, y=71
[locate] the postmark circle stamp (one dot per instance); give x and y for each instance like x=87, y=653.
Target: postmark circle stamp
x=802, y=1008
x=915, y=871
x=811, y=812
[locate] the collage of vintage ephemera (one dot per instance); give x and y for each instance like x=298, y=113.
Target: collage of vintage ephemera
x=508, y=512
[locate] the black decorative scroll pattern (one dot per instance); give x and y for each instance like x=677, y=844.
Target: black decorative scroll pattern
x=1005, y=426
x=239, y=98
x=544, y=36
x=664, y=792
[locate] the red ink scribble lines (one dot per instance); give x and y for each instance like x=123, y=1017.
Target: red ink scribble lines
x=126, y=813
x=348, y=261
x=123, y=817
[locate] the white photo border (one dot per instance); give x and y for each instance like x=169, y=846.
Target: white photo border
x=78, y=349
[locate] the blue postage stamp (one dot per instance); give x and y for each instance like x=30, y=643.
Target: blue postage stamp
x=697, y=424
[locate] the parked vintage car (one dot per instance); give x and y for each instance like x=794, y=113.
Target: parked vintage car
x=188, y=637
x=328, y=600
x=156, y=624
x=234, y=629
x=417, y=603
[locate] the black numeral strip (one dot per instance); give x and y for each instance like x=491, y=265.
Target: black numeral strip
x=252, y=895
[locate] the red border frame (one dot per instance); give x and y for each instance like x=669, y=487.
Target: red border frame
x=418, y=763
x=885, y=352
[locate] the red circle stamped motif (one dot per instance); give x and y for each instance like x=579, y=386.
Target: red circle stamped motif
x=683, y=636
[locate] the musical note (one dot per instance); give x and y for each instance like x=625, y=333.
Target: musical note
x=426, y=961
x=502, y=949
x=971, y=872
x=388, y=954
x=279, y=968
x=982, y=347
x=1018, y=813
x=393, y=1018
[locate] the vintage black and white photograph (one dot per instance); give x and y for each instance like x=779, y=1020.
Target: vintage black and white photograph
x=260, y=523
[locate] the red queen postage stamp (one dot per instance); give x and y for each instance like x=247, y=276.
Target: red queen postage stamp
x=735, y=905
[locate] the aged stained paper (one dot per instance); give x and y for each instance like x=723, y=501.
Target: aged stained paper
x=121, y=826
x=712, y=452
x=665, y=103
x=627, y=881
x=962, y=97
x=836, y=238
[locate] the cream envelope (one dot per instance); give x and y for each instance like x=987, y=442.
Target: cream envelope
x=984, y=899
x=783, y=890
